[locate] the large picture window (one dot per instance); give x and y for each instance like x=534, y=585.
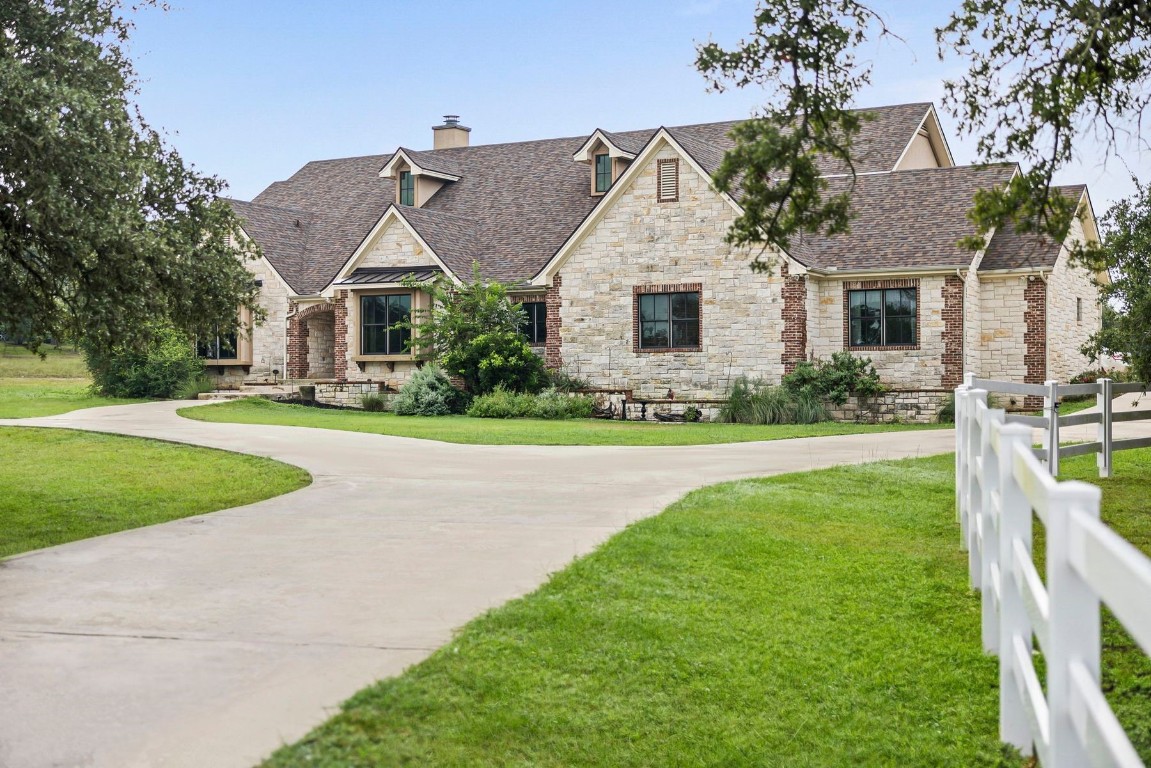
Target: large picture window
x=221, y=346
x=378, y=316
x=882, y=317
x=669, y=320
x=535, y=327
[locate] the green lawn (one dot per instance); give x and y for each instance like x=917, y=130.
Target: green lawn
x=461, y=429
x=817, y=619
x=31, y=386
x=60, y=485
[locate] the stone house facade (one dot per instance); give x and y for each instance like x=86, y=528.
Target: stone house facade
x=615, y=244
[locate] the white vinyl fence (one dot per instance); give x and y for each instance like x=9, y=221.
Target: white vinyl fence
x=1104, y=390
x=1000, y=483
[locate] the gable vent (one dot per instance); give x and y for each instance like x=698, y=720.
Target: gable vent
x=668, y=172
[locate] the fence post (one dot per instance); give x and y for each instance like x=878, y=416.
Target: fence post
x=973, y=443
x=1051, y=411
x=1103, y=400
x=1014, y=523
x=990, y=569
x=960, y=396
x=1074, y=619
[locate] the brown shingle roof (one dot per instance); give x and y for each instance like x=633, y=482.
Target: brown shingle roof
x=1011, y=250
x=511, y=210
x=911, y=219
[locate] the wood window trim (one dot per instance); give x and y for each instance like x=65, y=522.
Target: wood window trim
x=672, y=163
x=244, y=344
x=641, y=290
x=876, y=285
x=355, y=329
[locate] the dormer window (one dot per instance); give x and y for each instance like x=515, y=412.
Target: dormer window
x=407, y=188
x=602, y=173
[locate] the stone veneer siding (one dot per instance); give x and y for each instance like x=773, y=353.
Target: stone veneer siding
x=952, y=293
x=1065, y=332
x=321, y=338
x=269, y=338
x=1035, y=338
x=794, y=319
x=1002, y=329
x=300, y=338
x=643, y=242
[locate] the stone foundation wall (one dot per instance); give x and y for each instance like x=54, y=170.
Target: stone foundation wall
x=915, y=406
x=348, y=394
x=225, y=376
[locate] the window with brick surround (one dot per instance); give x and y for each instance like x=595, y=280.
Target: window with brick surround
x=535, y=327
x=668, y=180
x=378, y=317
x=668, y=320
x=882, y=317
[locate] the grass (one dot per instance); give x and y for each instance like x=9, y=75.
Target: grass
x=461, y=429
x=31, y=386
x=59, y=485
x=817, y=619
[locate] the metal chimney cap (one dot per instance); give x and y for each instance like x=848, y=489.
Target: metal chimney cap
x=452, y=120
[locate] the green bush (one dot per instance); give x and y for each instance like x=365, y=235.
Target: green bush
x=549, y=404
x=374, y=403
x=691, y=413
x=946, y=413
x=836, y=379
x=192, y=389
x=428, y=393
x=165, y=366
x=498, y=359
x=753, y=402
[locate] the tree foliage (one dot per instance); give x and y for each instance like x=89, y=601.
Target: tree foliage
x=803, y=53
x=1127, y=249
x=103, y=227
x=1040, y=73
x=473, y=331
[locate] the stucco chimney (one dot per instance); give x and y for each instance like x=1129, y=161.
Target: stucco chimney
x=450, y=134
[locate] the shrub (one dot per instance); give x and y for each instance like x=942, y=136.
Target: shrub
x=753, y=402
x=374, y=403
x=194, y=388
x=946, y=413
x=565, y=382
x=498, y=359
x=549, y=404
x=164, y=366
x=428, y=393
x=691, y=413
x=834, y=380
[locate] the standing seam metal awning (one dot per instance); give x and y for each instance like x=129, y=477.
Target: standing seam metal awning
x=371, y=275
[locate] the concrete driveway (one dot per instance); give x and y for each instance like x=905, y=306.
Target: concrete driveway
x=212, y=640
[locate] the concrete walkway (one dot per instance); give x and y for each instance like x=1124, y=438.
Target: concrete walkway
x=212, y=640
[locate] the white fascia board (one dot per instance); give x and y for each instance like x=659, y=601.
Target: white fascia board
x=392, y=214
x=934, y=117
x=1011, y=272
x=930, y=120
x=543, y=277
x=389, y=170
x=583, y=154
x=1087, y=214
x=867, y=274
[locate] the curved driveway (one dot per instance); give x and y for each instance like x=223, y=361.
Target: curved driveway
x=211, y=640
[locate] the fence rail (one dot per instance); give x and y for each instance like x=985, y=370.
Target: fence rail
x=1105, y=390
x=1000, y=486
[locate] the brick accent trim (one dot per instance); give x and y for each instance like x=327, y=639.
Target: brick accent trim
x=553, y=347
x=1035, y=337
x=639, y=290
x=298, y=339
x=794, y=331
x=340, y=336
x=659, y=166
x=952, y=357
x=865, y=285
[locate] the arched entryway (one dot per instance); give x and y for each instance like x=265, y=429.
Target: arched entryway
x=312, y=342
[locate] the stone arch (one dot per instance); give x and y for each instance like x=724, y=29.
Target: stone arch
x=312, y=343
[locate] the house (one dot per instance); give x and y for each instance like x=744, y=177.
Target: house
x=615, y=245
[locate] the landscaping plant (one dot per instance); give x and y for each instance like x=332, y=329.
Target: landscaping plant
x=374, y=403
x=428, y=392
x=836, y=379
x=754, y=402
x=164, y=366
x=549, y=404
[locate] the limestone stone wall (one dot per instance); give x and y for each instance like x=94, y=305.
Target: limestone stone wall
x=1070, y=288
x=972, y=322
x=347, y=394
x=643, y=242
x=321, y=340
x=1002, y=345
x=912, y=406
x=269, y=339
x=921, y=368
x=395, y=247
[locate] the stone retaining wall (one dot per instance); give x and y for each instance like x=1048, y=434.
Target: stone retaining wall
x=348, y=394
x=915, y=406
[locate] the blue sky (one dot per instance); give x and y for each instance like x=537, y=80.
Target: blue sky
x=250, y=90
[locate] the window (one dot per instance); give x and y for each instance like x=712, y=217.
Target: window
x=669, y=320
x=535, y=328
x=222, y=346
x=407, y=188
x=882, y=318
x=668, y=182
x=602, y=173
x=378, y=315
x=1079, y=310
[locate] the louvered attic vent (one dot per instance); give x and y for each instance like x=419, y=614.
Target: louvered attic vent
x=668, y=181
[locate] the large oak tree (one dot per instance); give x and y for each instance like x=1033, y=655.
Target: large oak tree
x=104, y=229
